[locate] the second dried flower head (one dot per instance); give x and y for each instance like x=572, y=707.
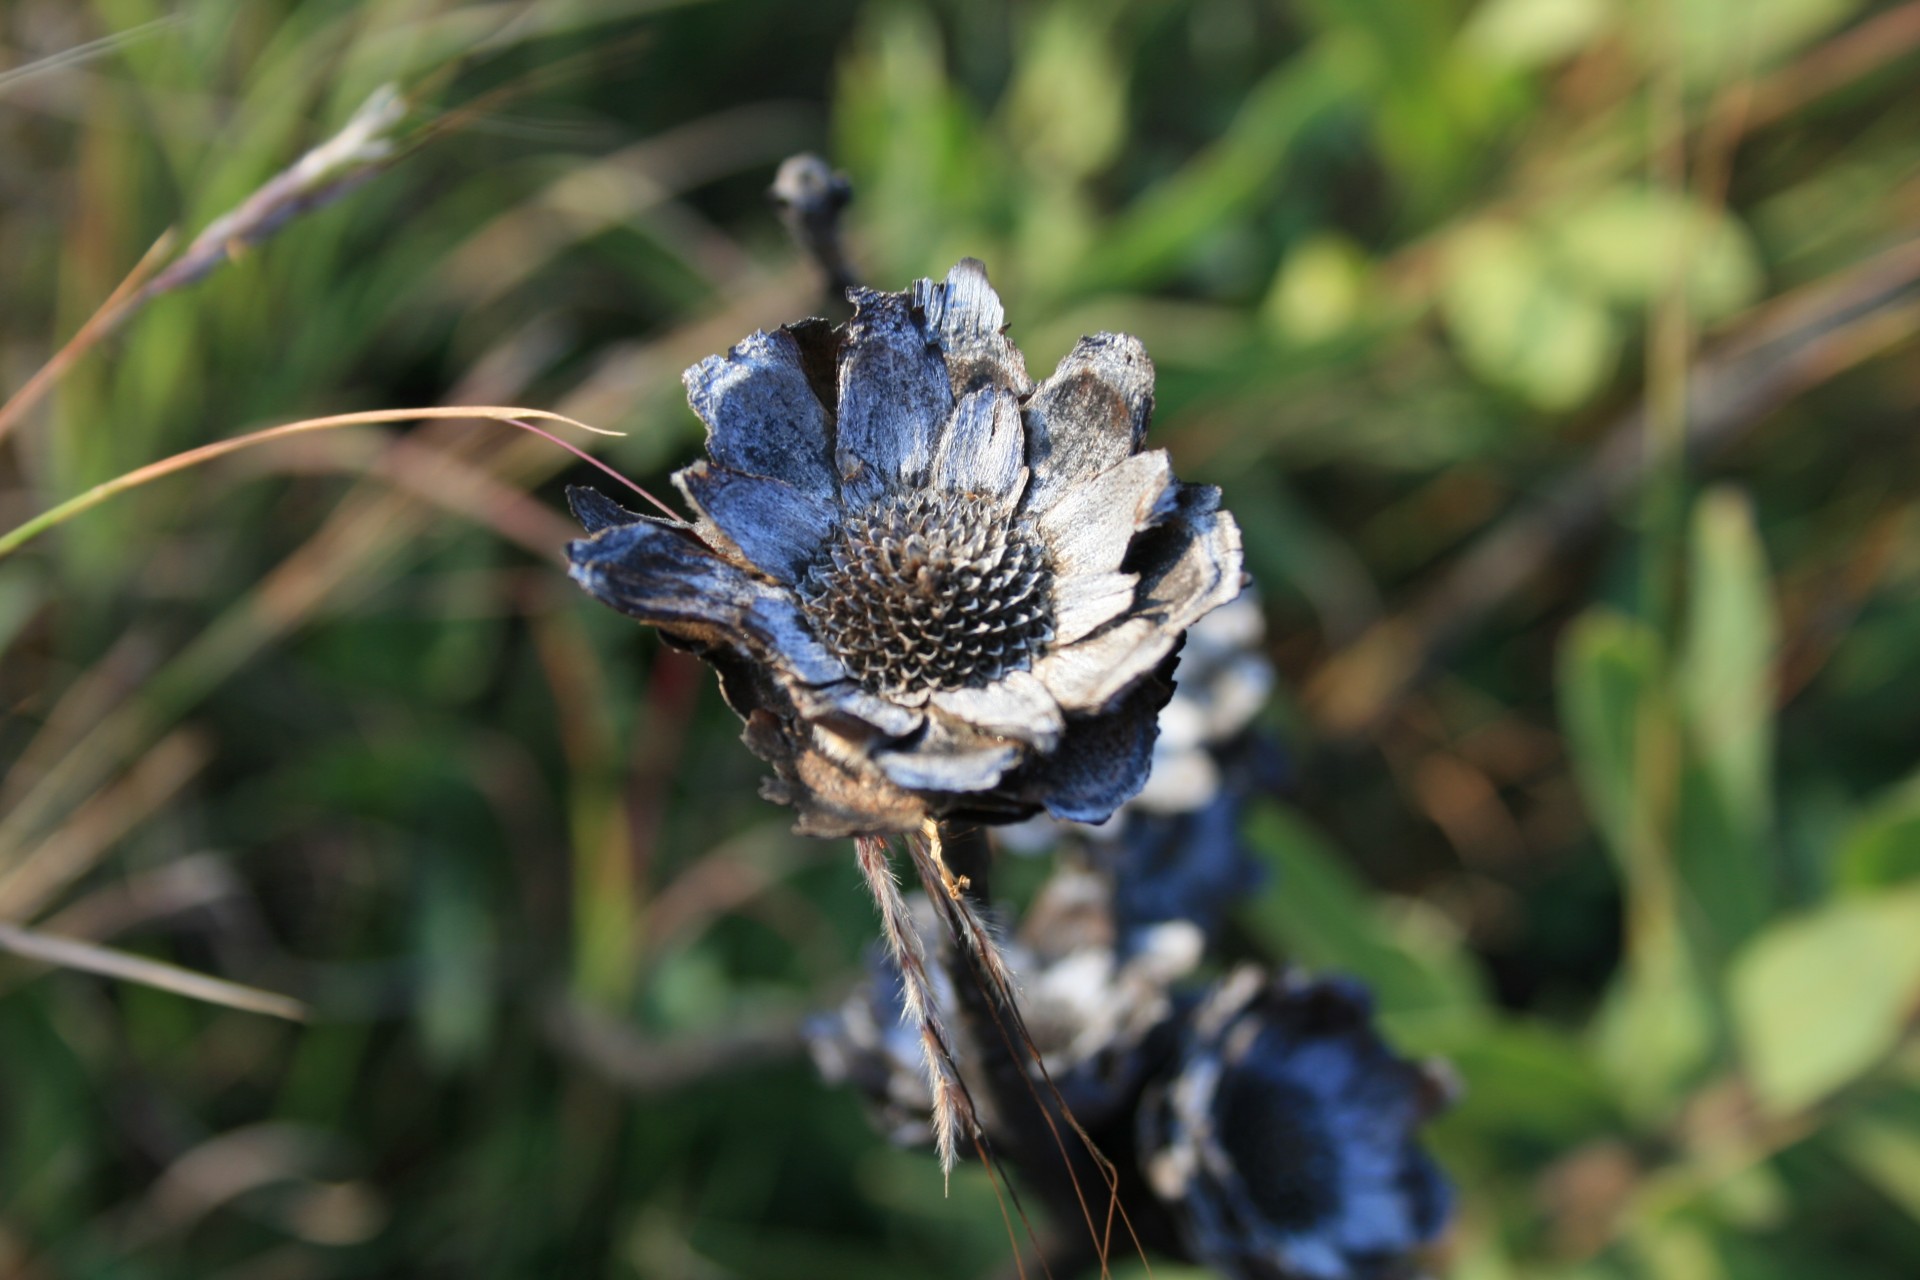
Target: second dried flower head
x=931, y=588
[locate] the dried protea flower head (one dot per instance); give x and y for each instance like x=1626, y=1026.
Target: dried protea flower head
x=931, y=588
x=1284, y=1137
x=1089, y=1006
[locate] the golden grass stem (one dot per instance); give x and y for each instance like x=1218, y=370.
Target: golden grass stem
x=54, y=517
x=89, y=957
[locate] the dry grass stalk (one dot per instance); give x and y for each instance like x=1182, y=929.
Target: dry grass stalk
x=953, y=1111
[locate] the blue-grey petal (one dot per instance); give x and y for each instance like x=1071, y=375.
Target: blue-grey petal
x=948, y=762
x=965, y=314
x=762, y=414
x=847, y=699
x=776, y=526
x=774, y=621
x=1087, y=601
x=1191, y=563
x=894, y=397
x=983, y=450
x=1090, y=528
x=595, y=510
x=659, y=572
x=1102, y=762
x=1015, y=706
x=1090, y=414
x=1087, y=676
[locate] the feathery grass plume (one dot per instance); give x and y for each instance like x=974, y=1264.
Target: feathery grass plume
x=361, y=148
x=949, y=1105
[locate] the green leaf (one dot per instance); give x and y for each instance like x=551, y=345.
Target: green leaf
x=1883, y=846
x=1820, y=1000
x=1657, y=1025
x=1067, y=106
x=1884, y=1150
x=20, y=598
x=1725, y=688
x=1656, y=1028
x=1721, y=41
x=1532, y=33
x=1319, y=290
x=1519, y=323
x=1527, y=1081
x=1725, y=678
x=1627, y=243
x=1610, y=678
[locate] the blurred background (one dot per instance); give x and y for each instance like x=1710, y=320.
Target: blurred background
x=1557, y=357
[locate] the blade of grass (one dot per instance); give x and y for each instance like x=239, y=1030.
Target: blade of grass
x=73, y=849
x=88, y=957
x=81, y=503
x=117, y=306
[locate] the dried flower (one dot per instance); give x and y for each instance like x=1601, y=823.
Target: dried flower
x=1175, y=852
x=931, y=588
x=1284, y=1138
x=1088, y=1006
x=1259, y=1125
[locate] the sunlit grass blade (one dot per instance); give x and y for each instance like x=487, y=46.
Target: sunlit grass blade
x=89, y=957
x=109, y=313
x=53, y=518
x=28, y=883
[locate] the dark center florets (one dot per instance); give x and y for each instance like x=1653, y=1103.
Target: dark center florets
x=1278, y=1142
x=930, y=591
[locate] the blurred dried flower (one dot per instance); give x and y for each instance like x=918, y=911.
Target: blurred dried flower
x=930, y=587
x=1259, y=1125
x=1284, y=1136
x=1088, y=1007
x=811, y=195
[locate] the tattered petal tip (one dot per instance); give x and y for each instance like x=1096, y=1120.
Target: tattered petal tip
x=1086, y=677
x=763, y=412
x=966, y=315
x=983, y=448
x=595, y=510
x=1015, y=706
x=1103, y=761
x=830, y=796
x=1091, y=413
x=1087, y=601
x=951, y=766
x=1190, y=567
x=1090, y=529
x=894, y=396
x=849, y=701
x=775, y=526
x=693, y=598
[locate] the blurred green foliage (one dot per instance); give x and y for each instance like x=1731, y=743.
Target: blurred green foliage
x=1631, y=833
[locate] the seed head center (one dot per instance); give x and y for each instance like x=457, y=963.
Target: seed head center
x=924, y=592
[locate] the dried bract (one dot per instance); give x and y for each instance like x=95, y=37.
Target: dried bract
x=931, y=587
x=1284, y=1137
